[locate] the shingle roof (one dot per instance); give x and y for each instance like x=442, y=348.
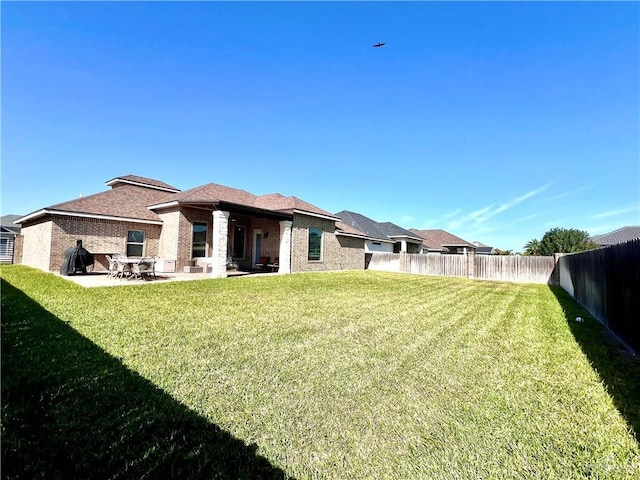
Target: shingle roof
x=131, y=197
x=380, y=231
x=125, y=201
x=280, y=203
x=7, y=221
x=621, y=235
x=213, y=193
x=349, y=230
x=136, y=180
x=439, y=238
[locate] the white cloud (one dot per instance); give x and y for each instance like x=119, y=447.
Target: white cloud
x=572, y=192
x=452, y=214
x=512, y=203
x=528, y=217
x=613, y=213
x=482, y=215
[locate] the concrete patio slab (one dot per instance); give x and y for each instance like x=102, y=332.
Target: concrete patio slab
x=101, y=279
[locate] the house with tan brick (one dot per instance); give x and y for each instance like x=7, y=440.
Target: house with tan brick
x=213, y=225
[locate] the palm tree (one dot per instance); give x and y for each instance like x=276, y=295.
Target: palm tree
x=532, y=247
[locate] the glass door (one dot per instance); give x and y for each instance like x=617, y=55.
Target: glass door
x=257, y=246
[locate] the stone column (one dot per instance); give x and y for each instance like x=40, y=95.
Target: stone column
x=220, y=236
x=285, y=246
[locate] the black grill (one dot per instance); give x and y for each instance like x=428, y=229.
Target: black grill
x=76, y=260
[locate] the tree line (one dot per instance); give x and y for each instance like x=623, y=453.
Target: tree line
x=560, y=240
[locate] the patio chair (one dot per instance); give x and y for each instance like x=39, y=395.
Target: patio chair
x=275, y=265
x=262, y=263
x=123, y=267
x=143, y=269
x=113, y=266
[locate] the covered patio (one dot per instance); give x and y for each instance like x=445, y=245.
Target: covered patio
x=217, y=236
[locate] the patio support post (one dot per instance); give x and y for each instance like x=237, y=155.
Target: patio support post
x=285, y=246
x=220, y=236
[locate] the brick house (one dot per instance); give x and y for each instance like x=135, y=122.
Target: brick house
x=212, y=224
x=441, y=241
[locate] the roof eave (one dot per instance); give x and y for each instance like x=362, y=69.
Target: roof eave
x=354, y=235
x=417, y=239
x=319, y=215
x=46, y=211
x=382, y=240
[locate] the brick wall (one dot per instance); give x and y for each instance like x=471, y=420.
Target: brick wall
x=350, y=255
x=189, y=216
x=45, y=242
x=338, y=253
x=270, y=245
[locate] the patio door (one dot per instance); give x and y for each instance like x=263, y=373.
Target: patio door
x=257, y=246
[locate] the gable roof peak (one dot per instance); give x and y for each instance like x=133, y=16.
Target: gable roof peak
x=141, y=182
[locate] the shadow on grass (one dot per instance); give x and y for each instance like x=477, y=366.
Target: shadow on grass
x=70, y=410
x=618, y=368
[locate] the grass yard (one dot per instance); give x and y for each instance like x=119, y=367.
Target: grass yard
x=344, y=375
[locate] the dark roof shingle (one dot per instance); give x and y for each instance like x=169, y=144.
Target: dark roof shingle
x=126, y=201
x=621, y=235
x=380, y=231
x=214, y=193
x=438, y=239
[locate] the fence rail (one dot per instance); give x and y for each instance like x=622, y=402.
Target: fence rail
x=515, y=268
x=486, y=267
x=441, y=265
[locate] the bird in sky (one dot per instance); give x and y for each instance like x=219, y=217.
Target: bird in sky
x=378, y=45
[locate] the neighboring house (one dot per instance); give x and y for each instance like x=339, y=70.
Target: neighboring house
x=382, y=237
x=482, y=249
x=621, y=235
x=441, y=241
x=212, y=223
x=8, y=233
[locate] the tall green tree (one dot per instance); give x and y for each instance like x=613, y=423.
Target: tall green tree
x=563, y=240
x=532, y=247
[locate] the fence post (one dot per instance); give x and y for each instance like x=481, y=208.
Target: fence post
x=471, y=264
x=404, y=262
x=555, y=274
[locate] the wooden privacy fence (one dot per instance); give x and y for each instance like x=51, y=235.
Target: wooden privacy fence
x=515, y=268
x=512, y=268
x=607, y=283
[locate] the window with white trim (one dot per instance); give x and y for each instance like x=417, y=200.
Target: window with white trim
x=135, y=243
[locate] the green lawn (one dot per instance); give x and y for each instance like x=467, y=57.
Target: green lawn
x=327, y=375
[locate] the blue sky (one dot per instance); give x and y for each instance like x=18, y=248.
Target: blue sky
x=495, y=121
